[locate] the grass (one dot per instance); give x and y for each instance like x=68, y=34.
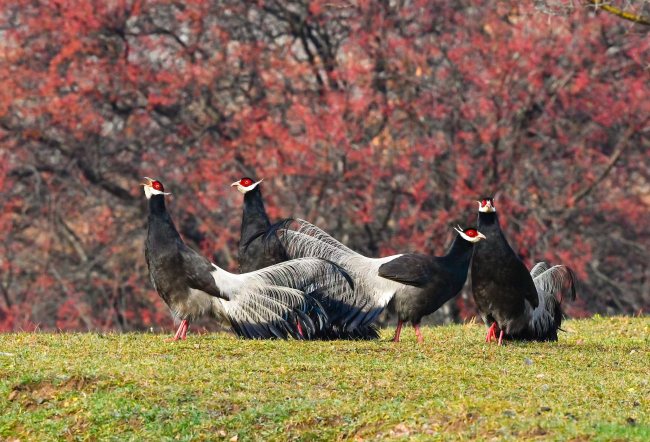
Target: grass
x=594, y=384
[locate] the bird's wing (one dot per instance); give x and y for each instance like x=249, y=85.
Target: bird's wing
x=530, y=292
x=147, y=260
x=411, y=269
x=198, y=272
x=555, y=280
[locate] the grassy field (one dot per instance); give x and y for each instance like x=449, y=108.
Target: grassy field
x=594, y=384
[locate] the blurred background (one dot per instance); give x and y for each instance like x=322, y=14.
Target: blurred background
x=380, y=121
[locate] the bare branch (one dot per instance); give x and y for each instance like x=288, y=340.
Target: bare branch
x=620, y=148
x=636, y=18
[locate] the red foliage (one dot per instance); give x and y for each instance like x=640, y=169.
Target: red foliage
x=381, y=123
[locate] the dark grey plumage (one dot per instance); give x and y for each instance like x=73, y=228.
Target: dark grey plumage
x=256, y=250
x=173, y=266
x=509, y=298
x=259, y=247
x=416, y=285
x=439, y=279
x=274, y=302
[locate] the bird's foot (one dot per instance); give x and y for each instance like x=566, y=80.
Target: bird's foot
x=398, y=330
x=181, y=333
x=418, y=333
x=501, y=338
x=492, y=332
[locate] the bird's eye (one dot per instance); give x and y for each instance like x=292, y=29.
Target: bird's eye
x=158, y=186
x=471, y=233
x=246, y=182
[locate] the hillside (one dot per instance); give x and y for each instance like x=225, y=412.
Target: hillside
x=591, y=385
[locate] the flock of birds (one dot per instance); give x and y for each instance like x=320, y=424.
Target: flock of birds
x=297, y=281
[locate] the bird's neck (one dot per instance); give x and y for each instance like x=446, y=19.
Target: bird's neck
x=254, y=212
x=157, y=205
x=487, y=219
x=488, y=224
x=159, y=217
x=460, y=250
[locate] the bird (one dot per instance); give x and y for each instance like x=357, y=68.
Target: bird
x=513, y=302
x=255, y=250
x=279, y=301
x=259, y=247
x=416, y=285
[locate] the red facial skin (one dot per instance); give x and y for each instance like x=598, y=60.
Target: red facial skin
x=484, y=203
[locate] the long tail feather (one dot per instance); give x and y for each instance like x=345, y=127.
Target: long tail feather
x=280, y=299
x=269, y=235
x=538, y=268
x=348, y=309
x=314, y=237
x=552, y=284
x=554, y=280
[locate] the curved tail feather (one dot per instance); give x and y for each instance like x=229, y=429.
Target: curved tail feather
x=554, y=280
x=348, y=309
x=554, y=285
x=280, y=301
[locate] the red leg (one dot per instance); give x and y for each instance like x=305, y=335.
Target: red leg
x=501, y=338
x=181, y=333
x=418, y=333
x=186, y=325
x=398, y=330
x=492, y=332
x=300, y=329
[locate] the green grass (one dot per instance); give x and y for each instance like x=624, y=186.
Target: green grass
x=594, y=384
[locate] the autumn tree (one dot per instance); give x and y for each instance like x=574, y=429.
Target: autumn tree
x=380, y=121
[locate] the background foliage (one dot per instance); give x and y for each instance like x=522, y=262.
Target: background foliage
x=380, y=121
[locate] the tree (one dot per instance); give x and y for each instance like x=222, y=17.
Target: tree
x=382, y=122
